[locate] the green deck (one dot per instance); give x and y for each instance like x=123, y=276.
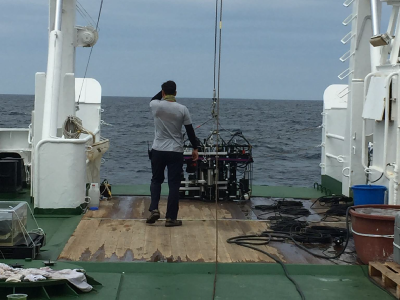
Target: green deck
x=137, y=280
x=234, y=281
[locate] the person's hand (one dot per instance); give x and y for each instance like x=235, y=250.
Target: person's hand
x=195, y=154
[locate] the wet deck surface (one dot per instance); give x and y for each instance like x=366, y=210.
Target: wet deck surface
x=136, y=207
x=118, y=232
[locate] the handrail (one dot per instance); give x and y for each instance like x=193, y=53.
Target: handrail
x=366, y=81
x=385, y=137
x=363, y=147
x=335, y=136
x=349, y=19
x=339, y=158
x=54, y=141
x=347, y=3
x=30, y=134
x=346, y=175
x=366, y=85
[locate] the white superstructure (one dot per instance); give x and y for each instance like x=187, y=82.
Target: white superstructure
x=361, y=134
x=57, y=167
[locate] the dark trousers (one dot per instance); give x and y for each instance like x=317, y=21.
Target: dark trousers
x=174, y=162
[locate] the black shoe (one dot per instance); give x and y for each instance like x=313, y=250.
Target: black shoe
x=172, y=223
x=154, y=216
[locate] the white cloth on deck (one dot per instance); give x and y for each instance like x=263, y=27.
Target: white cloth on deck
x=74, y=276
x=34, y=278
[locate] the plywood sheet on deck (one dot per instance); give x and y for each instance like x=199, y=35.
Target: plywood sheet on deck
x=136, y=207
x=133, y=240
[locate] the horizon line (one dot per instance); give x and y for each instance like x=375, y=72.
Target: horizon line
x=198, y=98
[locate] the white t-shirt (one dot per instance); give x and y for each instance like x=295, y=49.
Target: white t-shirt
x=169, y=117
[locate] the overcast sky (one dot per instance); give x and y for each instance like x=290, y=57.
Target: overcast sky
x=282, y=49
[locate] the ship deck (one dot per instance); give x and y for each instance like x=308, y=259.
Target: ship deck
x=117, y=249
x=118, y=232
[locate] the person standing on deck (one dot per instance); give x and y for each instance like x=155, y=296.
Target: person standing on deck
x=167, y=150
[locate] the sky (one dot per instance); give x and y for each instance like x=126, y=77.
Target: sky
x=282, y=49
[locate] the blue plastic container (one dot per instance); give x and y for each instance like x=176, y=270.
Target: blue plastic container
x=368, y=194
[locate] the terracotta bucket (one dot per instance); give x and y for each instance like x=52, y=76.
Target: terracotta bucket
x=373, y=229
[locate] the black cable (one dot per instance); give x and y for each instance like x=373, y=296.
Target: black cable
x=288, y=236
x=333, y=231
x=278, y=204
x=289, y=203
x=287, y=224
x=264, y=207
x=249, y=240
x=367, y=175
x=309, y=237
x=332, y=200
x=336, y=211
x=376, y=284
x=267, y=236
x=293, y=211
x=281, y=218
x=377, y=179
x=283, y=207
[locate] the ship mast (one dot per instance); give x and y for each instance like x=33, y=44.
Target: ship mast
x=53, y=77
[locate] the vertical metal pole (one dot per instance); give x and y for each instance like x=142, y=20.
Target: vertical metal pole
x=58, y=19
x=375, y=17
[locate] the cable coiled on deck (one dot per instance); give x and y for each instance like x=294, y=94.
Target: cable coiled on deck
x=251, y=241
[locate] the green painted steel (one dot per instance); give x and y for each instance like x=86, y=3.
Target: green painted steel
x=286, y=192
x=58, y=231
x=23, y=195
x=331, y=184
x=235, y=281
x=139, y=280
x=258, y=191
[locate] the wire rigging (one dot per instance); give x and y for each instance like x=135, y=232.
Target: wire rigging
x=216, y=117
x=88, y=16
x=91, y=50
x=215, y=43
x=215, y=60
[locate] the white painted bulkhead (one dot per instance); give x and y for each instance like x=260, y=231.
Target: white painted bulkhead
x=333, y=131
x=373, y=109
x=62, y=167
x=360, y=66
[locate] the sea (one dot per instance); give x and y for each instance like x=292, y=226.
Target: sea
x=284, y=134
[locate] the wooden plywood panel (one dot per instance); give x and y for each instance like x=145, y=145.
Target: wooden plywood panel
x=132, y=240
x=118, y=232
x=136, y=207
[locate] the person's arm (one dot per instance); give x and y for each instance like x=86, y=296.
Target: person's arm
x=191, y=135
x=157, y=97
x=193, y=141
